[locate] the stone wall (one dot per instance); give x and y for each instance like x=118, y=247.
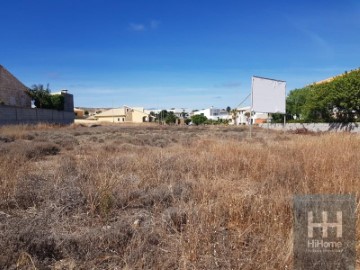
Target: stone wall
x=15, y=115
x=316, y=127
x=12, y=91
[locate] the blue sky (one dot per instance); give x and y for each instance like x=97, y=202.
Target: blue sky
x=175, y=53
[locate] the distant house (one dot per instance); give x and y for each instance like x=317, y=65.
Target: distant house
x=181, y=113
x=79, y=113
x=12, y=91
x=214, y=114
x=125, y=114
x=259, y=118
x=178, y=112
x=243, y=116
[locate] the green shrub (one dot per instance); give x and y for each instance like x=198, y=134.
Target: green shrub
x=198, y=119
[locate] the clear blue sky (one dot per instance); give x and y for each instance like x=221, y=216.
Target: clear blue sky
x=175, y=53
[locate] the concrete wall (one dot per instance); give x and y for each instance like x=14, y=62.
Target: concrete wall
x=68, y=102
x=138, y=117
x=16, y=115
x=316, y=127
x=112, y=119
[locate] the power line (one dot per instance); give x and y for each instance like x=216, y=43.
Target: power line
x=243, y=100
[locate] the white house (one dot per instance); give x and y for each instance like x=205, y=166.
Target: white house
x=214, y=114
x=180, y=112
x=243, y=116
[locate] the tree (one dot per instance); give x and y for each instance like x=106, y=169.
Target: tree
x=161, y=116
x=228, y=109
x=234, y=115
x=40, y=95
x=295, y=102
x=170, y=118
x=277, y=118
x=43, y=99
x=198, y=119
x=57, y=102
x=334, y=101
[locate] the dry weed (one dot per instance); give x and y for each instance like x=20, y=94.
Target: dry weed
x=162, y=197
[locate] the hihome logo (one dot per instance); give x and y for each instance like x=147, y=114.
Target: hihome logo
x=324, y=232
x=316, y=245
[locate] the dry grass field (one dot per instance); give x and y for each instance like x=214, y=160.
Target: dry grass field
x=156, y=197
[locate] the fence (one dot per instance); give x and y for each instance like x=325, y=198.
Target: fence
x=18, y=115
x=316, y=127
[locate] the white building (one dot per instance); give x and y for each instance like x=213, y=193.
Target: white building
x=214, y=114
x=179, y=112
x=243, y=116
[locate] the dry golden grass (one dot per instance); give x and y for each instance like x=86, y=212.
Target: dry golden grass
x=160, y=197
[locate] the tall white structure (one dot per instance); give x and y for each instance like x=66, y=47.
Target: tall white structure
x=268, y=95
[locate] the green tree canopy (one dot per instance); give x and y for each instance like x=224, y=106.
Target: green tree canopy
x=44, y=100
x=198, y=119
x=40, y=95
x=161, y=115
x=334, y=101
x=170, y=118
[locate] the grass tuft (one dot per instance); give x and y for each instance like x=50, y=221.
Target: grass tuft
x=156, y=197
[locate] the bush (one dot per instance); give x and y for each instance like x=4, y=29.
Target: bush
x=198, y=119
x=40, y=149
x=57, y=102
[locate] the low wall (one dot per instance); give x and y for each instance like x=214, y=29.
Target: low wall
x=316, y=127
x=16, y=115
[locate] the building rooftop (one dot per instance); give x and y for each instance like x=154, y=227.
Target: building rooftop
x=112, y=112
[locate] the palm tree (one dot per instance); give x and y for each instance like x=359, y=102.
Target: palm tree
x=234, y=114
